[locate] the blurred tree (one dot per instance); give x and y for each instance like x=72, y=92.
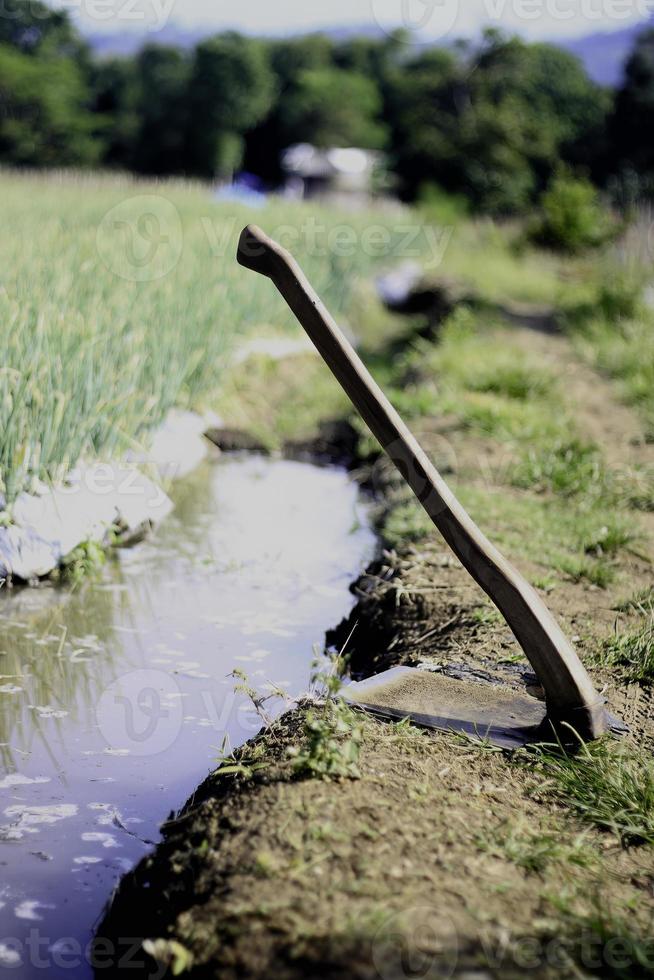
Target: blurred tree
x=289, y=58
x=632, y=123
x=425, y=102
x=33, y=28
x=332, y=107
x=494, y=122
x=231, y=88
x=115, y=103
x=43, y=117
x=160, y=90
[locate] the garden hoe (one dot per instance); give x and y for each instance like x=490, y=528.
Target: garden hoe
x=482, y=710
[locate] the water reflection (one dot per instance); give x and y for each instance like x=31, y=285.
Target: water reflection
x=114, y=701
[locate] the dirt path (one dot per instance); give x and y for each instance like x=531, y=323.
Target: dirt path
x=597, y=408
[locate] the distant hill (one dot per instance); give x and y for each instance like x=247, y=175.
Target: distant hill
x=126, y=43
x=603, y=54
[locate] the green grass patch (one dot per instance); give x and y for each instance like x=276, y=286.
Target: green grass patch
x=624, y=350
x=566, y=467
x=632, y=651
x=608, y=785
x=534, y=849
x=580, y=543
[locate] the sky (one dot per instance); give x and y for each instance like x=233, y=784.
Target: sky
x=432, y=19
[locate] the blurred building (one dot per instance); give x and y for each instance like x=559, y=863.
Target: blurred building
x=341, y=175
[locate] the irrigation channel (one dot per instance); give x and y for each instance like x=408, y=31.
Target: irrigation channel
x=115, y=700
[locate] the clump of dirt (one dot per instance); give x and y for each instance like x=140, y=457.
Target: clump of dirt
x=230, y=440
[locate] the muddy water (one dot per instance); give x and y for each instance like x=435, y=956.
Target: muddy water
x=114, y=703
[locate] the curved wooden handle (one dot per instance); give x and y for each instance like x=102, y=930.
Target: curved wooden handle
x=570, y=695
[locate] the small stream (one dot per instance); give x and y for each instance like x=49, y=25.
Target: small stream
x=115, y=701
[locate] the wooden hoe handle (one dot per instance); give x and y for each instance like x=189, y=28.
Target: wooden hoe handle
x=570, y=695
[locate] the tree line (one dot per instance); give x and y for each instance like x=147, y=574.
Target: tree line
x=492, y=121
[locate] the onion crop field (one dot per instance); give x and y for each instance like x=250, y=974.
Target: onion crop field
x=119, y=300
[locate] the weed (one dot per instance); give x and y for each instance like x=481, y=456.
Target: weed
x=606, y=534
x=641, y=601
x=245, y=762
x=566, y=467
x=405, y=524
x=582, y=568
x=534, y=851
x=333, y=732
x=513, y=380
x=633, y=651
x=84, y=562
x=609, y=786
x=606, y=939
x=170, y=954
x=332, y=745
x=485, y=615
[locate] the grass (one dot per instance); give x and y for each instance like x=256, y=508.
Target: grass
x=567, y=467
x=609, y=786
x=604, y=937
x=534, y=849
x=121, y=299
x=612, y=324
x=632, y=651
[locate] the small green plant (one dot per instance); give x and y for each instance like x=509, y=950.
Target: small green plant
x=84, y=562
x=333, y=732
x=606, y=535
x=597, y=571
x=604, y=937
x=641, y=601
x=608, y=785
x=566, y=467
x=620, y=293
x=169, y=953
x=245, y=762
x=442, y=208
x=572, y=218
x=633, y=651
x=512, y=380
x=534, y=850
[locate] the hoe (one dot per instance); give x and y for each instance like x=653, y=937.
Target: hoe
x=571, y=701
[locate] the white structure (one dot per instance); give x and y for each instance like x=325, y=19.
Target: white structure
x=345, y=173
